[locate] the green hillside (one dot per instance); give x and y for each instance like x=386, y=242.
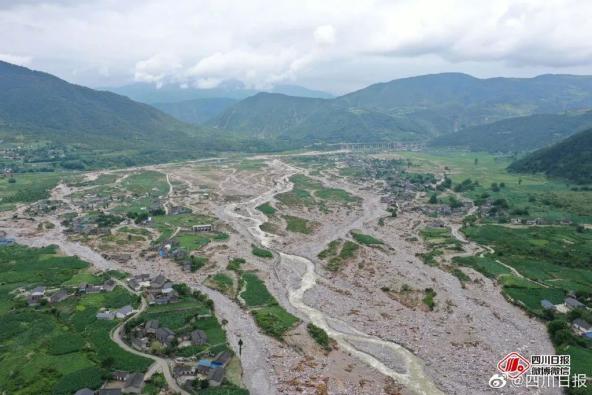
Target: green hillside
x=416, y=108
x=196, y=111
x=570, y=159
x=38, y=105
x=461, y=100
x=519, y=134
x=308, y=120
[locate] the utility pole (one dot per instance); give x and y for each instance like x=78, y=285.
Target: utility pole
x=240, y=346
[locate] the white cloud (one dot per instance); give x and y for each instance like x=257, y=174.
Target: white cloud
x=16, y=59
x=325, y=35
x=261, y=43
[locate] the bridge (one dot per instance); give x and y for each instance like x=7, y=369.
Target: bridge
x=372, y=147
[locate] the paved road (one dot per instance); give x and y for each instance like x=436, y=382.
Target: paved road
x=159, y=363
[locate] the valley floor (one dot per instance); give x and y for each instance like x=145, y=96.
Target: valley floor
x=398, y=325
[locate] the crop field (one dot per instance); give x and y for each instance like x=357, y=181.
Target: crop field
x=269, y=315
x=298, y=225
x=439, y=238
x=26, y=188
x=267, y=209
x=550, y=199
x=554, y=261
x=152, y=183
x=190, y=314
x=337, y=253
x=61, y=349
x=309, y=192
x=365, y=239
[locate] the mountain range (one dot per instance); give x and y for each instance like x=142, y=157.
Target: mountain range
x=416, y=108
x=518, y=134
x=40, y=106
x=570, y=159
x=450, y=109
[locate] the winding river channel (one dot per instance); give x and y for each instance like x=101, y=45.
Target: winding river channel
x=384, y=356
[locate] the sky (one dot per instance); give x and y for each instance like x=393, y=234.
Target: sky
x=332, y=45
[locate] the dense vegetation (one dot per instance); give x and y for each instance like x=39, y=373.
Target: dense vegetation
x=570, y=159
x=58, y=348
x=519, y=134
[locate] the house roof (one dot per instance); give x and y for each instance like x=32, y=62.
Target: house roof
x=571, y=302
x=135, y=380
x=38, y=290
x=204, y=362
x=585, y=325
x=216, y=374
x=164, y=332
x=152, y=324
x=109, y=391
x=199, y=337
x=546, y=304
x=84, y=391
x=125, y=310
x=223, y=357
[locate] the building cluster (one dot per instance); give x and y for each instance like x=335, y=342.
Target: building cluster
x=121, y=383
x=211, y=369
x=580, y=326
x=143, y=335
x=158, y=289
x=41, y=294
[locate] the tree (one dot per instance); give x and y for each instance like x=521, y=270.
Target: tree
x=433, y=199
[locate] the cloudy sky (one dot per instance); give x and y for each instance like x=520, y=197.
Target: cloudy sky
x=334, y=45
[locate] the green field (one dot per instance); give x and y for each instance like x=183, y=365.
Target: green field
x=309, y=192
x=298, y=225
x=26, y=188
x=267, y=209
x=191, y=313
x=57, y=349
x=549, y=199
x=337, y=253
x=152, y=183
x=365, y=239
x=255, y=293
x=269, y=315
x=261, y=252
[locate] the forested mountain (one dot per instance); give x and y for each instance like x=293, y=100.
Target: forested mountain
x=40, y=106
x=196, y=111
x=462, y=100
x=230, y=89
x=309, y=120
x=518, y=134
x=416, y=108
x=570, y=159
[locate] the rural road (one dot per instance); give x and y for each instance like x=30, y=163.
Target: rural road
x=161, y=363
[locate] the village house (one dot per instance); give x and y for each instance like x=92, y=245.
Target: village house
x=157, y=282
x=215, y=376
x=124, y=312
x=547, y=305
x=198, y=337
x=140, y=343
x=37, y=293
x=105, y=315
x=573, y=304
x=109, y=285
x=203, y=366
x=134, y=383
x=84, y=391
x=183, y=370
x=59, y=296
x=202, y=228
x=109, y=391
x=120, y=375
x=151, y=326
x=165, y=336
x=582, y=327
